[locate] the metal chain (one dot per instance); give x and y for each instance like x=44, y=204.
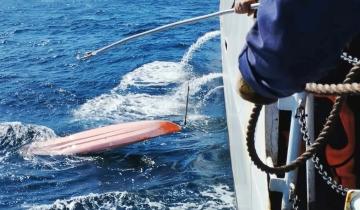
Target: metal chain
x=330, y=181
x=316, y=160
x=350, y=59
x=293, y=197
x=304, y=130
x=315, y=146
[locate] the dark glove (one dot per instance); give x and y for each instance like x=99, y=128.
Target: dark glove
x=247, y=93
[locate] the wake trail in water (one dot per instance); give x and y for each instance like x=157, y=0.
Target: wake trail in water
x=129, y=101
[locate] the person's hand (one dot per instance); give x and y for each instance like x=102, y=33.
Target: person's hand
x=244, y=6
x=248, y=94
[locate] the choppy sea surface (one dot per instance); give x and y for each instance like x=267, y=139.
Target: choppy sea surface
x=46, y=92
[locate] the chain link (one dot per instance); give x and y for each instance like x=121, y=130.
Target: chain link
x=350, y=59
x=293, y=198
x=340, y=189
x=316, y=160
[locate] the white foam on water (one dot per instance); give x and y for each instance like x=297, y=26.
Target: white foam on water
x=222, y=193
x=111, y=200
x=215, y=197
x=123, y=104
x=58, y=164
x=195, y=84
x=123, y=107
x=14, y=137
x=13, y=132
x=4, y=157
x=157, y=73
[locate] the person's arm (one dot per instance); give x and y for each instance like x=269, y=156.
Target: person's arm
x=294, y=42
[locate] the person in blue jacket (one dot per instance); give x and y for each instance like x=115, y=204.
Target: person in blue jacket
x=293, y=42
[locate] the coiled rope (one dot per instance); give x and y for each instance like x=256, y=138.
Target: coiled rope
x=318, y=143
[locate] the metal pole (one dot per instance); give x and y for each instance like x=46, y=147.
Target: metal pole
x=310, y=169
x=187, y=104
x=162, y=28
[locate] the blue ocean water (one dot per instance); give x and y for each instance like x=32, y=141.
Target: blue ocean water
x=46, y=92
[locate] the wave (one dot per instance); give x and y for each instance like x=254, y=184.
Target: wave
x=14, y=135
x=214, y=197
x=122, y=107
x=157, y=73
x=154, y=90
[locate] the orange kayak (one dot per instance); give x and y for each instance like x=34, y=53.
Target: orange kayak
x=102, y=139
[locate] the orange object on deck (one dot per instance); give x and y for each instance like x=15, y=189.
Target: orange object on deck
x=342, y=159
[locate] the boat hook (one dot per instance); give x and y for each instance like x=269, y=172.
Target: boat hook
x=161, y=28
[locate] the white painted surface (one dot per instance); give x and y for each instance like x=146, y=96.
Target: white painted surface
x=250, y=183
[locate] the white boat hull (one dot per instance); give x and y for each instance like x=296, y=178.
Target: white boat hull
x=251, y=185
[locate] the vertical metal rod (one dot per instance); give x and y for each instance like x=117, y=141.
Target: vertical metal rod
x=310, y=169
x=187, y=104
x=293, y=152
x=294, y=144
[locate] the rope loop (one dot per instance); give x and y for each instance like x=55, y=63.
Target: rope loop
x=313, y=149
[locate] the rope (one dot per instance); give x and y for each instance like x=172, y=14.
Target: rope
x=337, y=89
x=319, y=142
x=333, y=89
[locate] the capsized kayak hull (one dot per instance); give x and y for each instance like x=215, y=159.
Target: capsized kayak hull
x=102, y=139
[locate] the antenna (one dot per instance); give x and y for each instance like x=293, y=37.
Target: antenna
x=187, y=104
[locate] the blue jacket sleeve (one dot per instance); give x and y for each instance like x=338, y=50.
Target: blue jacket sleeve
x=296, y=41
